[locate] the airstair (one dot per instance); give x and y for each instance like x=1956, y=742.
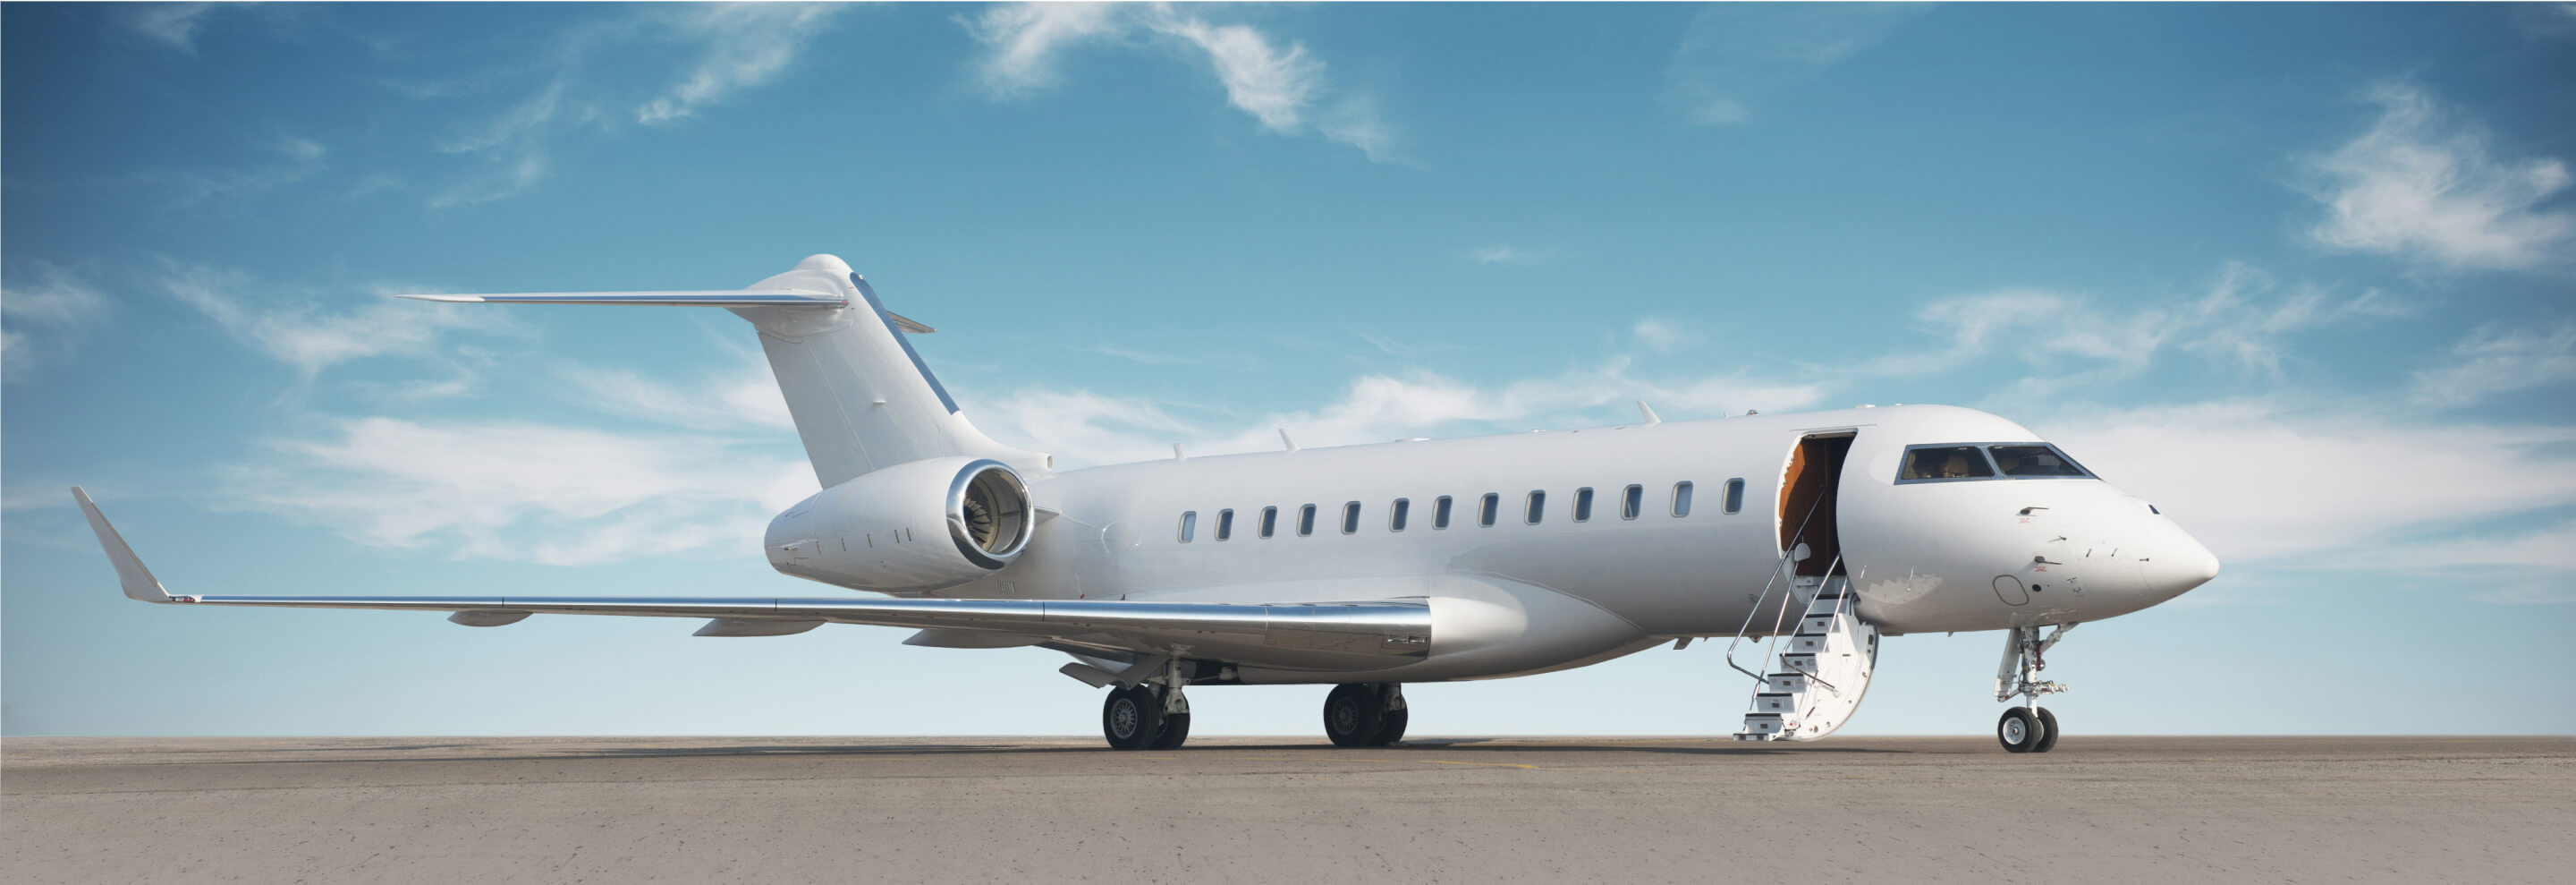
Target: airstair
x=1812, y=683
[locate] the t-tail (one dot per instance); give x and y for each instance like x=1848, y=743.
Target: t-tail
x=862, y=398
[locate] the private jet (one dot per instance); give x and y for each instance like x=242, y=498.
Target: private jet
x=1799, y=539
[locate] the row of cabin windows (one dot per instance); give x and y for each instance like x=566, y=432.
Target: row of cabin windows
x=1632, y=503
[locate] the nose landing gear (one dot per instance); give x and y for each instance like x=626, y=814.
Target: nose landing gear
x=2028, y=729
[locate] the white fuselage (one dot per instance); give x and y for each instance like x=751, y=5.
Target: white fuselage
x=1518, y=596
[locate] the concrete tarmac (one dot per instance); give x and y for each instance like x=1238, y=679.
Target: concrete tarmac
x=2099, y=809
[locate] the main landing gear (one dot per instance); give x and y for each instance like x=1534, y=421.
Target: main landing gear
x=2027, y=729
x=1365, y=714
x=1149, y=715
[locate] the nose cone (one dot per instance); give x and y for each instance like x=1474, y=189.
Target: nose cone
x=2184, y=564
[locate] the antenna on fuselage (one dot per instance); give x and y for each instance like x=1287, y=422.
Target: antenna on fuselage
x=1177, y=454
x=1651, y=417
x=1283, y=437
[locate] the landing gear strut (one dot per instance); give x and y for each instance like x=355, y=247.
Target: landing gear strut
x=1365, y=714
x=1152, y=714
x=2027, y=729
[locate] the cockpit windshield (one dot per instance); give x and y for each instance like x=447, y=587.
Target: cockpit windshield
x=1945, y=462
x=1960, y=461
x=2035, y=460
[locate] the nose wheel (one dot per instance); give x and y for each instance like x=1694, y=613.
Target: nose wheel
x=2027, y=729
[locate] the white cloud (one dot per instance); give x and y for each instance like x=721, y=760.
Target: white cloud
x=39, y=319
x=1026, y=37
x=312, y=338
x=746, y=399
x=560, y=495
x=175, y=24
x=1733, y=52
x=2422, y=185
x=2498, y=360
x=1504, y=254
x=2257, y=480
x=747, y=45
x=2077, y=339
x=513, y=149
x=1663, y=336
x=1281, y=86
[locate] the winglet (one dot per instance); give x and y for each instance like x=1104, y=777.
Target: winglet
x=138, y=581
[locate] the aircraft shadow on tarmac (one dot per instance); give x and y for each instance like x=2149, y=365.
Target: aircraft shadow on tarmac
x=466, y=751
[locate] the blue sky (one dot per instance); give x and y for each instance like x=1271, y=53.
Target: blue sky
x=2299, y=274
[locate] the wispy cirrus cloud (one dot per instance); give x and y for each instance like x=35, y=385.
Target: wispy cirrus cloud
x=2423, y=183
x=2243, y=318
x=1735, y=54
x=43, y=315
x=310, y=335
x=1282, y=85
x=524, y=491
x=2498, y=360
x=746, y=44
x=1500, y=253
x=173, y=24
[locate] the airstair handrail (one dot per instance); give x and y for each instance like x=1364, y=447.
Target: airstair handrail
x=1779, y=568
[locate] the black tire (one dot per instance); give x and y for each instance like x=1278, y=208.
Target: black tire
x=1390, y=729
x=1352, y=714
x=1132, y=718
x=2047, y=731
x=2017, y=731
x=1176, y=729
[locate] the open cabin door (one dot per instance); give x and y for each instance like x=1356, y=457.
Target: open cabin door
x=1807, y=497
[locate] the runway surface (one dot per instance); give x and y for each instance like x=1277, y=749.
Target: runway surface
x=2226, y=809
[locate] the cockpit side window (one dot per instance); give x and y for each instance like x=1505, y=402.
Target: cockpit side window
x=2035, y=459
x=1944, y=462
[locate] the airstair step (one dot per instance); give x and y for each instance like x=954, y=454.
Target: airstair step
x=1807, y=645
x=1798, y=662
x=1816, y=625
x=1761, y=726
x=1775, y=702
x=1785, y=683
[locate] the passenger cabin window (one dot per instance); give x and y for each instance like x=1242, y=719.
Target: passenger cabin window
x=1189, y=525
x=1537, y=509
x=1944, y=462
x=1492, y=506
x=1632, y=503
x=1395, y=515
x=2035, y=459
x=1305, y=520
x=1269, y=521
x=1681, y=498
x=1583, y=504
x=1735, y=495
x=1350, y=517
x=1225, y=525
x=1440, y=513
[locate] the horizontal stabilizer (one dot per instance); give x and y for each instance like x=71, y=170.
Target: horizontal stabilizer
x=695, y=298
x=688, y=298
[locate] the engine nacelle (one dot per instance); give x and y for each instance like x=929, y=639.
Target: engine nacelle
x=910, y=528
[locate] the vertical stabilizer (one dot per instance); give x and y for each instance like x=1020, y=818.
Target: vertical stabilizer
x=862, y=398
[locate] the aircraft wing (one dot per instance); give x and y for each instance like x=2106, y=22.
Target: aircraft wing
x=1317, y=632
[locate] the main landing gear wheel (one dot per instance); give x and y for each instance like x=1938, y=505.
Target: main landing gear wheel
x=1365, y=715
x=2047, y=731
x=1132, y=719
x=1176, y=728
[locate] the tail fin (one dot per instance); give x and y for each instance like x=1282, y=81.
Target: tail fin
x=861, y=396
